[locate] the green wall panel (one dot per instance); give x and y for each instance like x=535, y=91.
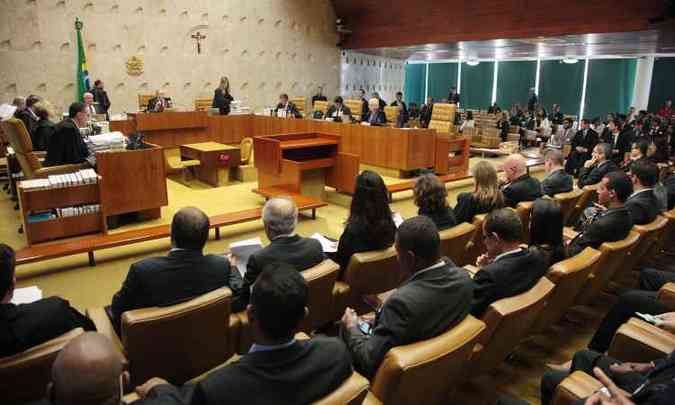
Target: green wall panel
x=663, y=83
x=415, y=82
x=476, y=91
x=442, y=76
x=609, y=86
x=561, y=83
x=514, y=80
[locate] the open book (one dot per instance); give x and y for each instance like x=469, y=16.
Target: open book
x=242, y=251
x=328, y=246
x=26, y=295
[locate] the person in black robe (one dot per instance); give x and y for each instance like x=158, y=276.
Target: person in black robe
x=45, y=127
x=222, y=97
x=66, y=145
x=101, y=99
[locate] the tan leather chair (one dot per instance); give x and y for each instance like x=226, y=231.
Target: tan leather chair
x=355, y=107
x=300, y=103
x=576, y=386
x=524, y=209
x=19, y=139
x=392, y=113
x=321, y=106
x=174, y=164
x=588, y=195
x=455, y=240
x=569, y=277
x=143, y=100
x=246, y=150
x=476, y=247
x=444, y=112
x=649, y=235
x=508, y=321
x=639, y=341
x=351, y=392
x=429, y=371
x=666, y=296
x=203, y=103
x=442, y=127
x=369, y=273
x=24, y=376
x=567, y=202
x=178, y=342
x=668, y=240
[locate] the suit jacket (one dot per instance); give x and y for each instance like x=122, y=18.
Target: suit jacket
x=403, y=118
x=507, y=276
x=424, y=306
x=364, y=108
x=453, y=98
x=468, y=206
x=302, y=373
x=356, y=239
x=42, y=134
x=669, y=184
x=425, y=114
x=557, y=182
x=382, y=104
x=168, y=280
x=290, y=109
x=609, y=226
x=524, y=188
x=443, y=219
x=102, y=100
x=595, y=173
x=379, y=120
x=333, y=110
x=643, y=207
x=301, y=253
x=66, y=145
x=153, y=102
x=27, y=325
x=622, y=144
x=589, y=141
x=221, y=101
x=29, y=119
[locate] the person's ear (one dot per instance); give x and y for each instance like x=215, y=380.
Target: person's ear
x=306, y=313
x=126, y=380
x=250, y=313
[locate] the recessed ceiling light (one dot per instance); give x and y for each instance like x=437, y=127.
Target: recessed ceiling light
x=472, y=62
x=570, y=61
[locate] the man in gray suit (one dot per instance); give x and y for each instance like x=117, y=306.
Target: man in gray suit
x=436, y=295
x=557, y=180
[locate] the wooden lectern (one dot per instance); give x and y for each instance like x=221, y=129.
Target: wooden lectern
x=304, y=163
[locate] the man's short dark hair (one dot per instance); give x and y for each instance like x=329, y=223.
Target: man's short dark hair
x=398, y=93
x=278, y=300
x=506, y=223
x=7, y=266
x=568, y=120
x=338, y=99
x=75, y=108
x=97, y=82
x=642, y=145
x=620, y=183
x=420, y=236
x=283, y=95
x=190, y=228
x=585, y=121
x=605, y=149
x=646, y=171
x=32, y=99
x=555, y=156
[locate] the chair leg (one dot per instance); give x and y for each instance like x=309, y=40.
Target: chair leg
x=20, y=230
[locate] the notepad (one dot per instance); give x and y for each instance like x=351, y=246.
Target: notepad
x=242, y=251
x=328, y=246
x=26, y=295
x=398, y=219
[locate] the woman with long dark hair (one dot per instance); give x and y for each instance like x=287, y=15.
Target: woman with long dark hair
x=370, y=225
x=546, y=229
x=432, y=199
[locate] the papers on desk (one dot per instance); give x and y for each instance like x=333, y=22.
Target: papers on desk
x=398, y=219
x=26, y=295
x=242, y=251
x=7, y=111
x=110, y=141
x=328, y=246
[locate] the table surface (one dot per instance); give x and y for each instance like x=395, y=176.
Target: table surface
x=210, y=147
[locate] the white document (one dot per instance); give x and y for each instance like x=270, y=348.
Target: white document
x=242, y=251
x=26, y=295
x=7, y=111
x=398, y=219
x=327, y=245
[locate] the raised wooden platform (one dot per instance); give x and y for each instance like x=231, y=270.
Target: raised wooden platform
x=283, y=191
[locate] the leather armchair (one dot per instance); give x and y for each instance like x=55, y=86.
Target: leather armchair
x=639, y=341
x=576, y=386
x=524, y=208
x=666, y=296
x=371, y=273
x=455, y=240
x=351, y=392
x=567, y=202
x=476, y=247
x=668, y=241
x=24, y=376
x=427, y=372
x=589, y=194
x=162, y=341
x=649, y=235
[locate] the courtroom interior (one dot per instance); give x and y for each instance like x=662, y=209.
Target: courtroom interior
x=337, y=202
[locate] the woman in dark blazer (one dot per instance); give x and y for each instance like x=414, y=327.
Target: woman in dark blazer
x=431, y=198
x=45, y=127
x=546, y=230
x=485, y=197
x=370, y=225
x=222, y=97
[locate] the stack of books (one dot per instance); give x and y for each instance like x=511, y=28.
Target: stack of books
x=82, y=177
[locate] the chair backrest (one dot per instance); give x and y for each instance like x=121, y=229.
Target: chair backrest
x=427, y=372
x=24, y=376
x=567, y=202
x=373, y=272
x=320, y=280
x=172, y=159
x=649, y=235
x=477, y=246
x=454, y=241
x=469, y=132
x=143, y=100
x=589, y=194
x=354, y=107
x=668, y=239
x=246, y=150
x=321, y=106
x=569, y=277
x=392, y=113
x=352, y=392
x=299, y=102
x=508, y=321
x=444, y=112
x=163, y=342
x=524, y=209
x=203, y=103
x=19, y=139
x=442, y=127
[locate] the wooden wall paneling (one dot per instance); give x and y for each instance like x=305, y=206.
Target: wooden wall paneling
x=342, y=176
x=421, y=148
x=171, y=120
x=126, y=127
x=441, y=150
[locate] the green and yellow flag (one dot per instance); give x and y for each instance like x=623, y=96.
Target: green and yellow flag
x=83, y=84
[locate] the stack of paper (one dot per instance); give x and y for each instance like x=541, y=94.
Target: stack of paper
x=328, y=246
x=110, y=141
x=242, y=251
x=398, y=219
x=26, y=295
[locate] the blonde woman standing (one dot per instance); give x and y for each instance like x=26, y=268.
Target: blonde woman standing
x=222, y=97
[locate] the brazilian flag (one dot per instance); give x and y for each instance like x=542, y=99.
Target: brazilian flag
x=83, y=84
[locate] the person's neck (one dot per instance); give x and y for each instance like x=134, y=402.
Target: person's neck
x=509, y=246
x=615, y=204
x=638, y=187
x=555, y=169
x=260, y=339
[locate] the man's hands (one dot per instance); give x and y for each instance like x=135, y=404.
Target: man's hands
x=483, y=260
x=144, y=390
x=667, y=321
x=628, y=367
x=590, y=162
x=350, y=319
x=617, y=396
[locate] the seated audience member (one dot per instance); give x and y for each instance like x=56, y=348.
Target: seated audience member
x=597, y=166
x=27, y=114
x=642, y=204
x=639, y=150
x=375, y=115
x=431, y=198
x=159, y=103
x=485, y=197
x=435, y=296
x=286, y=105
x=45, y=127
x=669, y=184
x=506, y=269
x=520, y=186
x=370, y=225
x=557, y=180
x=469, y=122
x=184, y=274
x=612, y=221
x=278, y=369
x=546, y=230
x=556, y=115
x=66, y=145
x=667, y=110
x=280, y=216
x=89, y=106
x=338, y=111
x=622, y=139
x=583, y=143
x=26, y=325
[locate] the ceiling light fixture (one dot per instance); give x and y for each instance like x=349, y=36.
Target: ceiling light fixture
x=570, y=61
x=472, y=62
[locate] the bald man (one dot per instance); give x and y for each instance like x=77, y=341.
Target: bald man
x=88, y=371
x=185, y=273
x=520, y=186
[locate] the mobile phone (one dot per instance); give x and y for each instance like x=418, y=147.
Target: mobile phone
x=365, y=327
x=649, y=318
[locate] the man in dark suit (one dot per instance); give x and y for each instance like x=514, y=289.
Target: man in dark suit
x=453, y=96
x=319, y=96
x=583, y=143
x=381, y=102
x=27, y=325
x=159, y=103
x=338, y=111
x=280, y=216
x=669, y=184
x=278, y=369
x=622, y=141
x=287, y=108
x=506, y=269
x=435, y=296
x=557, y=180
x=532, y=100
x=101, y=99
x=184, y=274
x=426, y=112
x=520, y=186
x=66, y=145
x=597, y=166
x=375, y=115
x=403, y=114
x=611, y=221
x=364, y=103
x=27, y=114
x=642, y=204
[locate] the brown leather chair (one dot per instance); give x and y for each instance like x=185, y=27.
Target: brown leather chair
x=576, y=386
x=639, y=341
x=588, y=195
x=567, y=202
x=524, y=208
x=429, y=371
x=369, y=273
x=321, y=106
x=351, y=392
x=666, y=296
x=24, y=376
x=569, y=277
x=203, y=103
x=178, y=342
x=649, y=235
x=455, y=240
x=300, y=103
x=668, y=241
x=246, y=150
x=508, y=321
x=355, y=107
x=476, y=247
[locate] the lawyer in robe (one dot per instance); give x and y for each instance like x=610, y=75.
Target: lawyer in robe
x=222, y=97
x=66, y=145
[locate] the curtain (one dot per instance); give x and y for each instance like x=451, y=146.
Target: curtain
x=415, y=82
x=515, y=78
x=442, y=76
x=561, y=83
x=663, y=84
x=609, y=87
x=476, y=91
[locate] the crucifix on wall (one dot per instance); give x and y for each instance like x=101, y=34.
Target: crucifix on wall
x=198, y=37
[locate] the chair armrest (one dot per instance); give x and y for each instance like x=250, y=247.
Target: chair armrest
x=105, y=326
x=471, y=269
x=49, y=170
x=639, y=341
x=577, y=385
x=569, y=233
x=130, y=398
x=371, y=399
x=341, y=296
x=666, y=296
